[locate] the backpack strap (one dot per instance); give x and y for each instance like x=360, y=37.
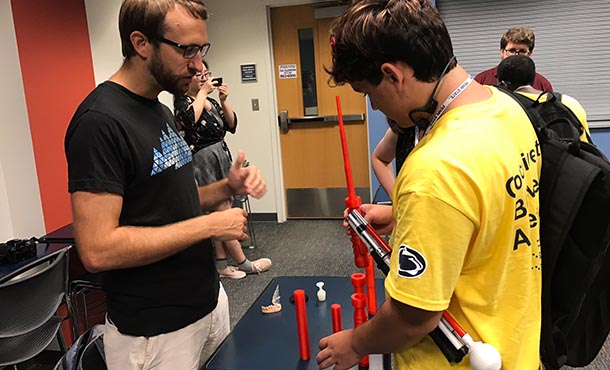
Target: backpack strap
x=553, y=96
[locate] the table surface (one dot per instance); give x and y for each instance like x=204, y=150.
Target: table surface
x=64, y=234
x=270, y=342
x=42, y=249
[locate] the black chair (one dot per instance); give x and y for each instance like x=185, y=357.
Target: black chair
x=29, y=299
x=86, y=294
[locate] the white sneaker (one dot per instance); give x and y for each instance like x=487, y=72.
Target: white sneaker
x=231, y=273
x=260, y=265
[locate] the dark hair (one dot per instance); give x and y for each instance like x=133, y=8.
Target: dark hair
x=148, y=17
x=518, y=35
x=373, y=32
x=516, y=71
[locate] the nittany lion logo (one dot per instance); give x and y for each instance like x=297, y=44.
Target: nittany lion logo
x=411, y=264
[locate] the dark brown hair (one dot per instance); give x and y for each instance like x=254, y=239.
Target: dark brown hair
x=148, y=17
x=373, y=32
x=519, y=35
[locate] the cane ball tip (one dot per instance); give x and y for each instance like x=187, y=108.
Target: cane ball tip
x=484, y=356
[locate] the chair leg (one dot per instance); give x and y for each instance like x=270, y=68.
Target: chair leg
x=73, y=313
x=61, y=341
x=249, y=222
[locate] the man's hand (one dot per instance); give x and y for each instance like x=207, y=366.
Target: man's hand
x=338, y=349
x=246, y=180
x=379, y=216
x=228, y=225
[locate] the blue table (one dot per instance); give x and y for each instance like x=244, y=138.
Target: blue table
x=270, y=342
x=42, y=249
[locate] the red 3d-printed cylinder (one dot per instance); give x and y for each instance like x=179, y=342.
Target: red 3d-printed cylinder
x=359, y=303
x=370, y=287
x=303, y=331
x=335, y=310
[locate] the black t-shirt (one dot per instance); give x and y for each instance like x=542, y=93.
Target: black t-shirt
x=122, y=143
x=404, y=146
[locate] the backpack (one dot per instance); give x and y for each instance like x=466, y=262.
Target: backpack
x=86, y=353
x=574, y=236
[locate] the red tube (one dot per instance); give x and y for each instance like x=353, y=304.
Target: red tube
x=352, y=201
x=303, y=331
x=359, y=303
x=335, y=310
x=370, y=287
x=454, y=324
x=358, y=281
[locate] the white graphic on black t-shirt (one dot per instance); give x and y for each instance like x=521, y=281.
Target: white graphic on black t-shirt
x=174, y=152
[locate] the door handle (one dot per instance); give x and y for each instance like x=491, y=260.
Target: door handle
x=285, y=121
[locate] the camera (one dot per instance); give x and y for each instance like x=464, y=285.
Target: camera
x=217, y=81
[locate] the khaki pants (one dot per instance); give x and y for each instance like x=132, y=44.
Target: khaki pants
x=184, y=349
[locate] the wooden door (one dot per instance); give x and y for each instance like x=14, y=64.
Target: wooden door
x=314, y=176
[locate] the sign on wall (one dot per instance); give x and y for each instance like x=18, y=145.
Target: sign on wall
x=248, y=72
x=288, y=71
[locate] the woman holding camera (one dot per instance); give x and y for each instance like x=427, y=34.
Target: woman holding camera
x=204, y=123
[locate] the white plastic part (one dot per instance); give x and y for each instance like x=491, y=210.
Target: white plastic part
x=321, y=291
x=483, y=356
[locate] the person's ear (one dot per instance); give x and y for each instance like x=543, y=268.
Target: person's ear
x=389, y=71
x=141, y=44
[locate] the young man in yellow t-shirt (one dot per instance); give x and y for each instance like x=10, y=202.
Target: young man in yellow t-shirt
x=465, y=213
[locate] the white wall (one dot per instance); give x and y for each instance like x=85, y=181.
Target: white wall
x=237, y=38
x=20, y=205
x=243, y=37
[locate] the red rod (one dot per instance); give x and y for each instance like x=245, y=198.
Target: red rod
x=359, y=303
x=303, y=331
x=351, y=192
x=335, y=310
x=454, y=324
x=370, y=287
x=352, y=201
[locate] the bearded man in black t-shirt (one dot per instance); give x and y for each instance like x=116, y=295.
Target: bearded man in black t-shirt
x=138, y=214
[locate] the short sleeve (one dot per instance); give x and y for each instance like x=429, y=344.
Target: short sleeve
x=97, y=154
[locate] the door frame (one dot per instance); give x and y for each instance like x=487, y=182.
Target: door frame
x=280, y=194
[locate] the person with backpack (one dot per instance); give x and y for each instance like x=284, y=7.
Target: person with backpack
x=465, y=218
x=518, y=72
x=574, y=193
x=515, y=41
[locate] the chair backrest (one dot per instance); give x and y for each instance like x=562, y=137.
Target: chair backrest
x=30, y=296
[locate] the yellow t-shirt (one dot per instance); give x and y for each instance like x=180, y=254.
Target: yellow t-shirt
x=574, y=106
x=466, y=235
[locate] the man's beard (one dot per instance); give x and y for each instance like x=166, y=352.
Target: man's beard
x=166, y=80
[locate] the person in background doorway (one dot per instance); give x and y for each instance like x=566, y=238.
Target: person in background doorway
x=137, y=212
x=515, y=41
x=205, y=122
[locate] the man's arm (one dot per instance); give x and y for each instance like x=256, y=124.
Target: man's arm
x=241, y=181
x=396, y=326
x=104, y=245
x=381, y=160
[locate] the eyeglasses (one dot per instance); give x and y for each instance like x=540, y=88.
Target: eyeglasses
x=204, y=76
x=514, y=51
x=189, y=50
